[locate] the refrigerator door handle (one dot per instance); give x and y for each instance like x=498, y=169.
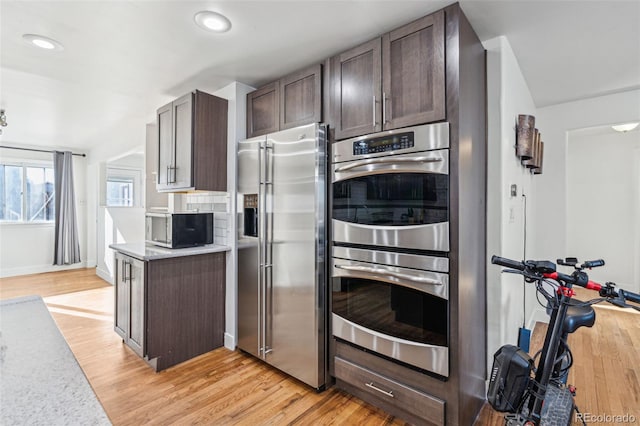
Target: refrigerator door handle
x=261, y=249
x=268, y=246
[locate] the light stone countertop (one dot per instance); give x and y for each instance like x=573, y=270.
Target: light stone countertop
x=146, y=252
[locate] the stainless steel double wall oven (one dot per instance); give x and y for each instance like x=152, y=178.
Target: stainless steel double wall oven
x=390, y=229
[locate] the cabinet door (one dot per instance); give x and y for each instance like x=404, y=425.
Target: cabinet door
x=152, y=198
x=356, y=90
x=165, y=146
x=301, y=98
x=263, y=114
x=135, y=274
x=121, y=317
x=413, y=70
x=180, y=174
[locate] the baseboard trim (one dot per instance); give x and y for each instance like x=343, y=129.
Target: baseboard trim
x=105, y=275
x=38, y=269
x=229, y=341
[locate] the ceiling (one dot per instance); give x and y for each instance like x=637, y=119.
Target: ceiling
x=124, y=59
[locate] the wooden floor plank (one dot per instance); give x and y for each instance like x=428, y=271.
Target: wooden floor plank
x=230, y=387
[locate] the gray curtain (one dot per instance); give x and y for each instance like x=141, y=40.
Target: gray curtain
x=67, y=245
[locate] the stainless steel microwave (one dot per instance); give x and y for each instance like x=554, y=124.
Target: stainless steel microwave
x=179, y=230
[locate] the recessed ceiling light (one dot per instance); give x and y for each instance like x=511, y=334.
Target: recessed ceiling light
x=43, y=42
x=212, y=21
x=625, y=127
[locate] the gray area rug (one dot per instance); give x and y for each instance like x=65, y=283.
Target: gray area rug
x=41, y=382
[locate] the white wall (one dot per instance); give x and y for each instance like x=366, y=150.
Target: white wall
x=128, y=141
x=551, y=217
x=555, y=122
x=507, y=96
x=236, y=94
x=116, y=225
x=28, y=248
x=603, y=198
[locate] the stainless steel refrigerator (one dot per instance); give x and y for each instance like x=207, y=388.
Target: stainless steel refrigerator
x=282, y=251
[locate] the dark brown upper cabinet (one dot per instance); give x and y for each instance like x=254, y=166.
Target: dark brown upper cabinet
x=413, y=86
x=394, y=81
x=192, y=144
x=300, y=98
x=263, y=114
x=292, y=101
x=356, y=90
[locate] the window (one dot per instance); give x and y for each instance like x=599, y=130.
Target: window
x=120, y=192
x=123, y=187
x=26, y=193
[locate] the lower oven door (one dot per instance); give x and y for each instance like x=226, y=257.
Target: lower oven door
x=396, y=312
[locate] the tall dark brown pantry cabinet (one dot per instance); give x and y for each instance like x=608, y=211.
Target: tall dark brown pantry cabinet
x=430, y=71
x=192, y=144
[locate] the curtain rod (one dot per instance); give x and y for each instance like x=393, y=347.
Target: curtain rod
x=38, y=150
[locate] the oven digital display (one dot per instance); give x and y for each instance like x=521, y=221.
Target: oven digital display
x=383, y=144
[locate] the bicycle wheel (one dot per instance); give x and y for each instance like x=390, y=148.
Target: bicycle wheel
x=557, y=407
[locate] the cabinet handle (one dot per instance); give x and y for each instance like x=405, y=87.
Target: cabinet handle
x=175, y=174
x=375, y=388
x=374, y=111
x=384, y=108
x=169, y=178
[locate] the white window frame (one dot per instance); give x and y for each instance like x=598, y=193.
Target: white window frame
x=125, y=173
x=24, y=165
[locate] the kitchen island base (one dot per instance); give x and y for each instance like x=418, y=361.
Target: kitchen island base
x=181, y=306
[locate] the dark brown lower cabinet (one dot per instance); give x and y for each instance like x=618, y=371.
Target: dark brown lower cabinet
x=182, y=307
x=129, y=312
x=390, y=394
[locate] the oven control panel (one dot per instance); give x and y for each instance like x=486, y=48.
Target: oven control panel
x=383, y=144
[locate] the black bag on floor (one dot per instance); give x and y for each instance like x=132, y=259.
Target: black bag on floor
x=509, y=379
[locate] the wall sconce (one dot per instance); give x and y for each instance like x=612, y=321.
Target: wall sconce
x=529, y=145
x=538, y=170
x=525, y=137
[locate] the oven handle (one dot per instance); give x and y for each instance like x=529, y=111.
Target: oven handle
x=389, y=273
x=386, y=160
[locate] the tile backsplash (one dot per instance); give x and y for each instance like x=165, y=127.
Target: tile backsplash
x=216, y=202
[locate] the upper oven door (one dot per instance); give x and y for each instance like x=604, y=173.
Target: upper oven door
x=393, y=201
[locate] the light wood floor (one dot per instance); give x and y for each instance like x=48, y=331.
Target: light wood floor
x=225, y=387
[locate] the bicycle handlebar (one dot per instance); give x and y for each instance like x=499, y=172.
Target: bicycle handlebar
x=507, y=263
x=593, y=263
x=546, y=269
x=630, y=296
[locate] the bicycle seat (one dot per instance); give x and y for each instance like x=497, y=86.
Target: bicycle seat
x=578, y=316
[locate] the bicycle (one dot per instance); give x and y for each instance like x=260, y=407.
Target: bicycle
x=536, y=394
